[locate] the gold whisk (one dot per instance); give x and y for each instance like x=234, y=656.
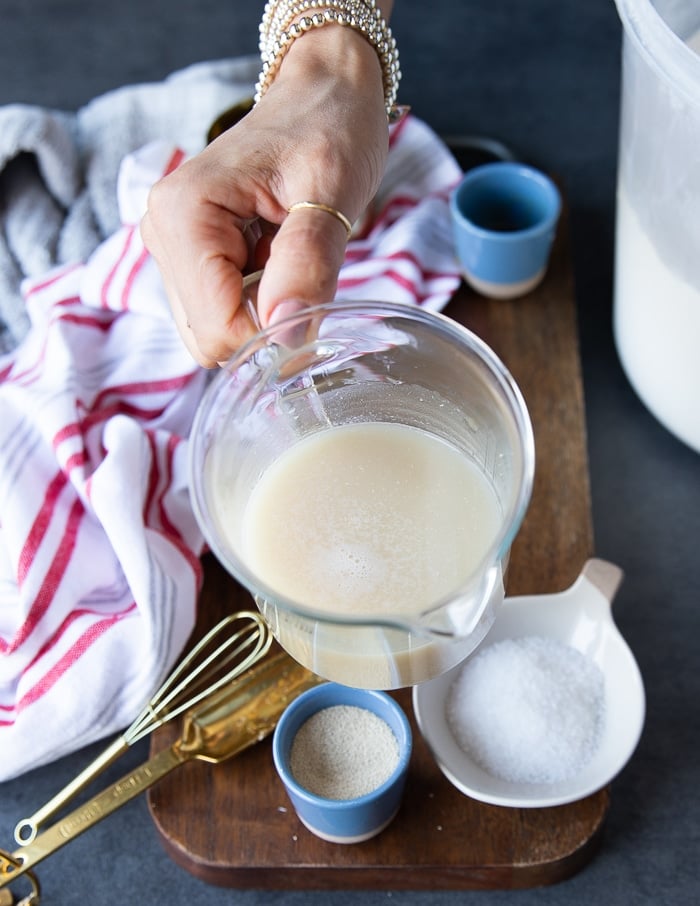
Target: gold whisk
x=224, y=653
x=223, y=724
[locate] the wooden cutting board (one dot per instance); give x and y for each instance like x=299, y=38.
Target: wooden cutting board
x=231, y=824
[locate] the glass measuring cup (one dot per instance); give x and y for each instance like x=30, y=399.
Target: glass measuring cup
x=349, y=365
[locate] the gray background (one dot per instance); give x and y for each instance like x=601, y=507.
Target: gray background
x=542, y=76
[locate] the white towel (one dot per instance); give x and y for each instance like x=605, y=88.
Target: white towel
x=99, y=549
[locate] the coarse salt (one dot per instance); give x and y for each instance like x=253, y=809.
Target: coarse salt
x=528, y=710
x=343, y=751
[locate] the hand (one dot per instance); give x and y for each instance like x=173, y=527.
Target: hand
x=318, y=134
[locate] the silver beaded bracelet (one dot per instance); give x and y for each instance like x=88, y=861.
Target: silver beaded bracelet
x=284, y=21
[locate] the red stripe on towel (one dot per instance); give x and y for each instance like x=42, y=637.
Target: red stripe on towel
x=40, y=526
x=53, y=577
x=91, y=635
x=111, y=274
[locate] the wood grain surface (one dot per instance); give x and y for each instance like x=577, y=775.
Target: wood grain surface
x=231, y=824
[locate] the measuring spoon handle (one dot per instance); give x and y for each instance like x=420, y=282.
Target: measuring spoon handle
x=84, y=817
x=27, y=828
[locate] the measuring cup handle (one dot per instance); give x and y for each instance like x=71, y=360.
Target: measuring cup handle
x=605, y=576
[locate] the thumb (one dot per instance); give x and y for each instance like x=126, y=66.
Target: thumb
x=305, y=258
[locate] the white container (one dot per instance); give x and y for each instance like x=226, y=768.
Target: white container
x=657, y=257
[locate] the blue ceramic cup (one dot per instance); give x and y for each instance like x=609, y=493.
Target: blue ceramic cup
x=504, y=219
x=343, y=820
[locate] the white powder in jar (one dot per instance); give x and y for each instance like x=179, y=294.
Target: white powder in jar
x=343, y=751
x=528, y=710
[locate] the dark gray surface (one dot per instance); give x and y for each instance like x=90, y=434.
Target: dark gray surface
x=542, y=76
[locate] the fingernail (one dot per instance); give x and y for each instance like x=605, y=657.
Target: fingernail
x=286, y=309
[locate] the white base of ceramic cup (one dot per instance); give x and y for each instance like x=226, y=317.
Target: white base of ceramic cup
x=360, y=838
x=504, y=290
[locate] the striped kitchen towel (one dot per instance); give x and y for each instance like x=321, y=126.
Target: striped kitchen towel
x=99, y=549
x=59, y=169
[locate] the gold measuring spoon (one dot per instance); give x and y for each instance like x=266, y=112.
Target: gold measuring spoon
x=224, y=653
x=32, y=898
x=222, y=725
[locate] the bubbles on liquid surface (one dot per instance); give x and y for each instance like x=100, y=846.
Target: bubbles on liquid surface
x=357, y=569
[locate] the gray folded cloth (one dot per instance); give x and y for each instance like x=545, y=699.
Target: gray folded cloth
x=58, y=170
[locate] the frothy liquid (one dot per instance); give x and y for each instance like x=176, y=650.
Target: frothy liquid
x=367, y=519
x=370, y=518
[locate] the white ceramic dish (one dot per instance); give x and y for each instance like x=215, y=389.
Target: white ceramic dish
x=581, y=617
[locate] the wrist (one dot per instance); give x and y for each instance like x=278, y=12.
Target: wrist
x=335, y=55
x=285, y=22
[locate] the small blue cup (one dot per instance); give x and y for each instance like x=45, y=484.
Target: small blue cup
x=343, y=820
x=504, y=219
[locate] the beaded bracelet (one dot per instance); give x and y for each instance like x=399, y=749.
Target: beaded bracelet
x=278, y=30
